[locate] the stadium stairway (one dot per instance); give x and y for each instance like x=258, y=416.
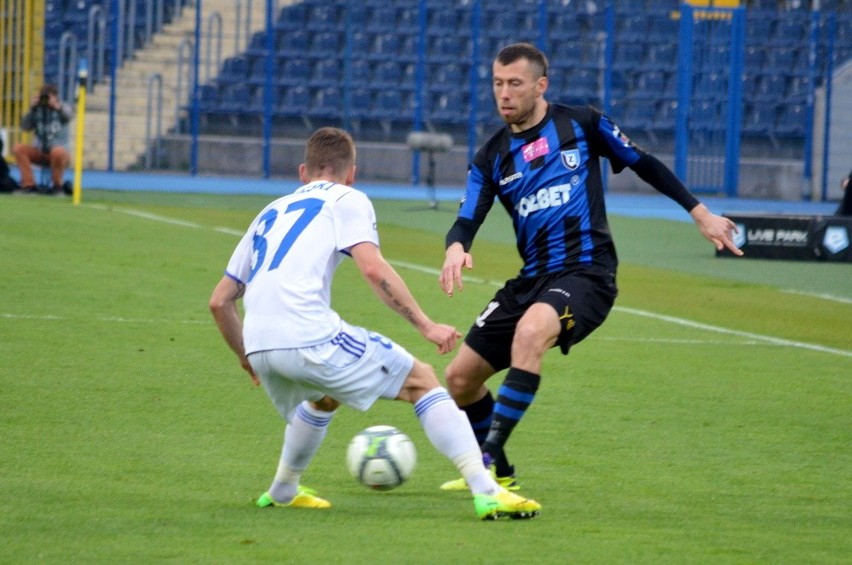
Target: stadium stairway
x=159, y=56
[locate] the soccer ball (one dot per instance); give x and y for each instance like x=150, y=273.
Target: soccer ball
x=381, y=457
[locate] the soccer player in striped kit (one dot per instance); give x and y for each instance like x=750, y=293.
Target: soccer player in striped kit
x=544, y=169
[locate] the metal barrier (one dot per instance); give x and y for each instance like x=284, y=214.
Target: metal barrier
x=96, y=54
x=152, y=152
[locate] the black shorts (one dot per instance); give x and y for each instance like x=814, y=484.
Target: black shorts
x=582, y=298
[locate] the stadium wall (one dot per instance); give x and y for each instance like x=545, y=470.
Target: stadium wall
x=389, y=162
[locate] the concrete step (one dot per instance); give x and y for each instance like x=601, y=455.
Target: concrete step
x=158, y=56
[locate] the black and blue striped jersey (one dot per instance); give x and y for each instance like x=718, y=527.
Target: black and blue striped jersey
x=548, y=178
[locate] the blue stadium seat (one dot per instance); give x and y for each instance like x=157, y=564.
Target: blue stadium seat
x=325, y=44
x=292, y=17
x=409, y=76
x=360, y=100
x=293, y=71
x=293, y=43
x=782, y=60
x=662, y=27
x=257, y=71
x=797, y=90
x=326, y=72
x=386, y=46
x=408, y=20
x=257, y=106
x=257, y=46
x=321, y=17
x=665, y=117
x=759, y=119
x=208, y=98
x=447, y=77
x=447, y=49
x=649, y=85
x=326, y=103
x=792, y=120
x=380, y=18
x=750, y=86
x=562, y=27
x=387, y=105
x=706, y=115
x=581, y=83
x=441, y=22
x=234, y=69
x=628, y=55
x=360, y=43
x=771, y=88
x=619, y=82
x=295, y=101
x=387, y=74
x=640, y=115
x=448, y=108
x=356, y=15
x=754, y=59
x=662, y=56
x=790, y=29
x=710, y=86
x=760, y=26
x=361, y=72
x=631, y=28
x=234, y=98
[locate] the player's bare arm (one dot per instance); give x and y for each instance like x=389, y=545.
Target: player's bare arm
x=451, y=273
x=223, y=306
x=393, y=292
x=716, y=229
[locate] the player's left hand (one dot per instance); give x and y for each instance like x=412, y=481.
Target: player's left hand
x=718, y=230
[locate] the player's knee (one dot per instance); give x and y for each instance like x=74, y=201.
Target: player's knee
x=19, y=150
x=457, y=381
x=532, y=336
x=420, y=380
x=325, y=404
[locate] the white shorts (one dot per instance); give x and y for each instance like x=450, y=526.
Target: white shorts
x=355, y=368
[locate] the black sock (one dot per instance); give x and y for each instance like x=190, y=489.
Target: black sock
x=513, y=398
x=480, y=415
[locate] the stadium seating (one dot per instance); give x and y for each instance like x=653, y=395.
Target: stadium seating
x=377, y=60
x=293, y=71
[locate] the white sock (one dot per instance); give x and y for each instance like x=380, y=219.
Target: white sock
x=449, y=430
x=302, y=438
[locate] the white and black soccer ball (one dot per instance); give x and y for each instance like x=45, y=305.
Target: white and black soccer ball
x=381, y=457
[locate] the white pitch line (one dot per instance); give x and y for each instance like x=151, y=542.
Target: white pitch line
x=748, y=335
x=669, y=319
x=822, y=295
x=476, y=280
x=117, y=319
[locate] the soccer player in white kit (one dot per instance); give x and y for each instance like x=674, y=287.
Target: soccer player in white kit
x=308, y=359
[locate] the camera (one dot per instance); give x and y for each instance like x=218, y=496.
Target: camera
x=43, y=100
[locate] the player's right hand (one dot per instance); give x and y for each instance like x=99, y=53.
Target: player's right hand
x=244, y=363
x=451, y=272
x=444, y=336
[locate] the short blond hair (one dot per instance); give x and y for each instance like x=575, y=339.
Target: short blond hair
x=330, y=149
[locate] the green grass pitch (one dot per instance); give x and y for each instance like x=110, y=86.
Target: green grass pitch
x=708, y=421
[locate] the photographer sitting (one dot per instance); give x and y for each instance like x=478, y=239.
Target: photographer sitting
x=845, y=208
x=48, y=118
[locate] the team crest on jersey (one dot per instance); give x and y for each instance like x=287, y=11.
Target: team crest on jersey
x=535, y=149
x=571, y=159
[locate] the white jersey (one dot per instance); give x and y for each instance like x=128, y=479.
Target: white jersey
x=287, y=260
